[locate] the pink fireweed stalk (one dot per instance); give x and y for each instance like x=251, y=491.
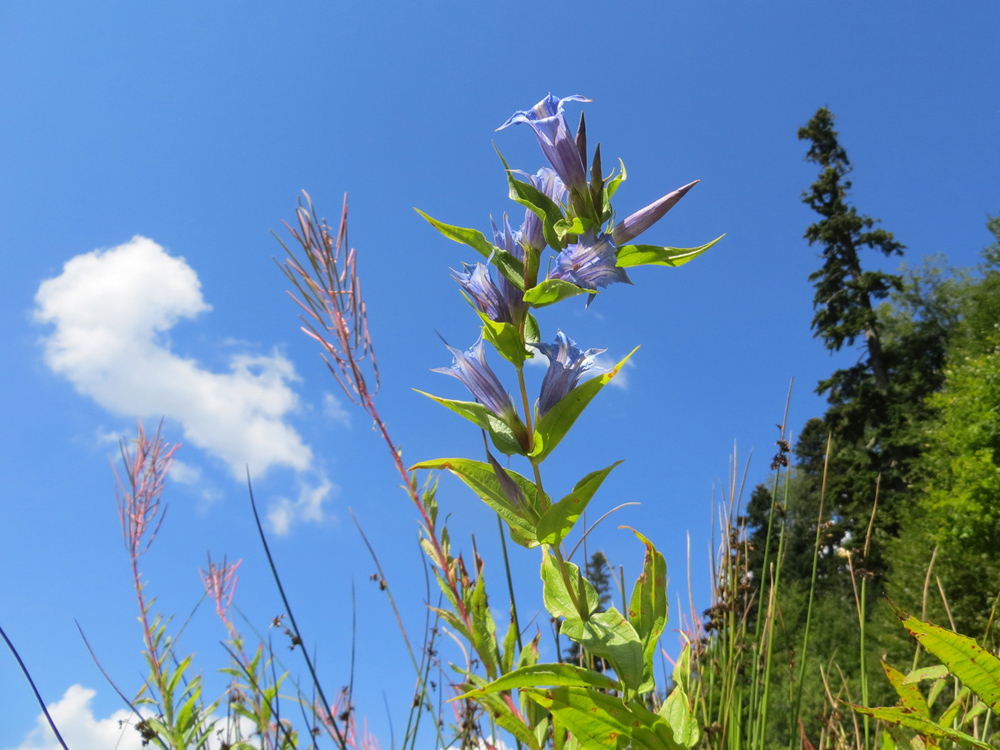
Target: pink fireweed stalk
x=334, y=313
x=139, y=510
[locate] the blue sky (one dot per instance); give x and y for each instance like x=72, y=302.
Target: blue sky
x=171, y=137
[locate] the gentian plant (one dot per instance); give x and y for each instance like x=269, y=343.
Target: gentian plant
x=570, y=214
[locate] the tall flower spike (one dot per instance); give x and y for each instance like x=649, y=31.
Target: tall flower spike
x=630, y=228
x=590, y=263
x=559, y=146
x=470, y=367
x=546, y=181
x=567, y=363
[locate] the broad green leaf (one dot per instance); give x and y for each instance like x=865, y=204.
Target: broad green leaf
x=480, y=478
x=537, y=202
x=505, y=339
x=552, y=428
x=935, y=672
x=501, y=712
x=602, y=721
x=556, y=523
x=556, y=596
x=677, y=711
x=909, y=718
x=653, y=255
x=909, y=695
x=507, y=264
x=545, y=675
x=531, y=333
x=976, y=667
x=484, y=629
x=610, y=636
x=500, y=432
x=551, y=291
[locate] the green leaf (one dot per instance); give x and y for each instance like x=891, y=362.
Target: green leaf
x=907, y=717
x=502, y=435
x=484, y=629
x=505, y=339
x=545, y=675
x=551, y=291
x=552, y=428
x=556, y=523
x=653, y=255
x=501, y=712
x=610, y=636
x=538, y=203
x=509, y=647
x=602, y=721
x=569, y=226
x=909, y=694
x=676, y=709
x=647, y=610
x=480, y=477
x=556, y=596
x=976, y=667
x=531, y=333
x=935, y=672
x=507, y=264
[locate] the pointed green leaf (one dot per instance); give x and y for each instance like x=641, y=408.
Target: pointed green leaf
x=647, y=610
x=509, y=647
x=976, y=667
x=556, y=596
x=502, y=435
x=505, y=339
x=909, y=718
x=909, y=694
x=602, y=721
x=480, y=478
x=507, y=264
x=545, y=675
x=653, y=255
x=552, y=428
x=551, y=291
x=556, y=523
x=501, y=712
x=537, y=202
x=484, y=629
x=935, y=672
x=610, y=636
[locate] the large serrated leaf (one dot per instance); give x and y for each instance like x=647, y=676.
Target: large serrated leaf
x=556, y=523
x=610, y=636
x=977, y=668
x=552, y=428
x=653, y=255
x=909, y=718
x=602, y=721
x=483, y=481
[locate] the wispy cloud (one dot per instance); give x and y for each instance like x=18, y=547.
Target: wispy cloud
x=112, y=311
x=335, y=411
x=308, y=506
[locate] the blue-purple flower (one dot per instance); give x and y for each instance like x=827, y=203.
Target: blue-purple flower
x=545, y=181
x=514, y=493
x=513, y=298
x=470, y=367
x=590, y=263
x=567, y=363
x=549, y=123
x=488, y=298
x=628, y=229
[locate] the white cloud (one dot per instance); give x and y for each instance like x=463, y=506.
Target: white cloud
x=335, y=410
x=80, y=728
x=112, y=309
x=283, y=512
